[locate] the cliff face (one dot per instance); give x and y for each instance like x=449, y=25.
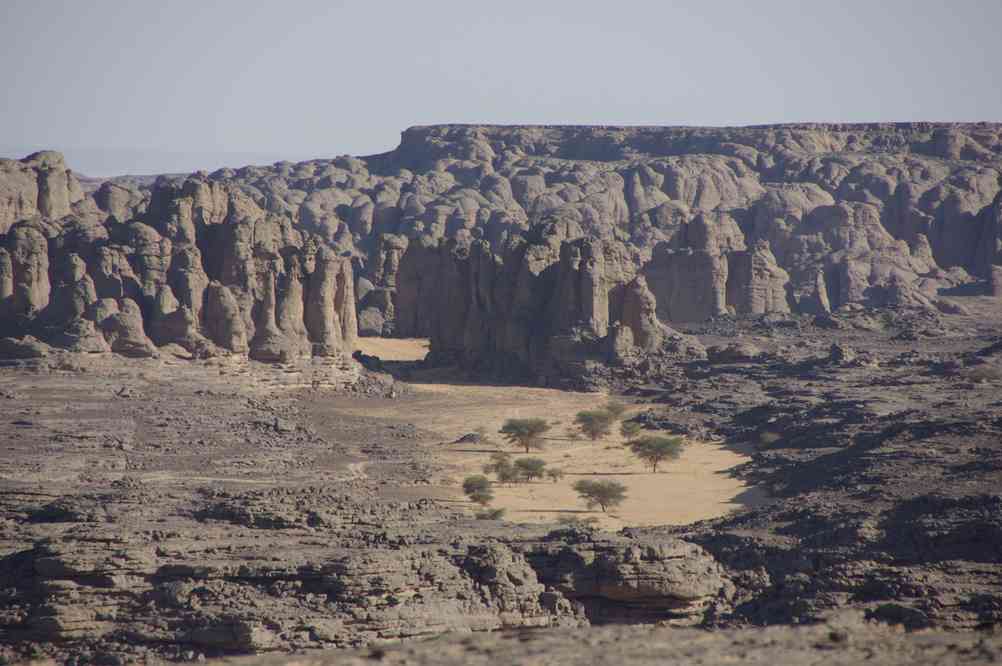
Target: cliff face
x=543, y=306
x=800, y=218
x=198, y=264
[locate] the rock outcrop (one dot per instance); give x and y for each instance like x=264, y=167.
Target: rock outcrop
x=203, y=267
x=544, y=308
x=751, y=221
x=279, y=589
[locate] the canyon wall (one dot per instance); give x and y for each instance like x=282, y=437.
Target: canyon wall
x=192, y=263
x=292, y=259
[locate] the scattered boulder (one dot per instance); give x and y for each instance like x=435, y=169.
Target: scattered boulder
x=735, y=352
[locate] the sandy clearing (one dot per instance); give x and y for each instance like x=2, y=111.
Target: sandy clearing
x=695, y=487
x=394, y=349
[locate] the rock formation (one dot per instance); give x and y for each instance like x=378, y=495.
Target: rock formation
x=735, y=221
x=203, y=267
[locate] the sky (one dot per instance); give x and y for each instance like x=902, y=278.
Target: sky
x=141, y=86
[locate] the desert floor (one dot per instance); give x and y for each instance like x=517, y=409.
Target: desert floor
x=697, y=486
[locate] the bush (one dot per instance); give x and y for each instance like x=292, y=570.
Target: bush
x=604, y=494
x=525, y=433
x=616, y=408
x=630, y=429
x=654, y=449
x=530, y=468
x=509, y=475
x=554, y=474
x=478, y=489
x=595, y=423
x=498, y=462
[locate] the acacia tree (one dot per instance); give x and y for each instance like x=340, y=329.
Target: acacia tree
x=605, y=494
x=499, y=461
x=654, y=449
x=502, y=466
x=616, y=408
x=595, y=423
x=525, y=433
x=478, y=489
x=530, y=468
x=554, y=474
x=629, y=429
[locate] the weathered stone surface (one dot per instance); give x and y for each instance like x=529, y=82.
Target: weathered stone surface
x=224, y=323
x=122, y=325
x=745, y=221
x=281, y=294
x=994, y=281
x=29, y=257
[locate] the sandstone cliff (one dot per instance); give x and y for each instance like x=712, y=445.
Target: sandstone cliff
x=270, y=260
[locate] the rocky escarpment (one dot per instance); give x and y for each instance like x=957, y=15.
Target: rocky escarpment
x=200, y=266
x=553, y=309
x=305, y=569
x=749, y=221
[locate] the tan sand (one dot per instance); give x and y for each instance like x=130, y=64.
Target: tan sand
x=695, y=487
x=393, y=349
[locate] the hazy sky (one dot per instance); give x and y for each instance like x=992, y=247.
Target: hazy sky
x=146, y=86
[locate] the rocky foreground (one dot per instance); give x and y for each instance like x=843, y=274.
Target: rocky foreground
x=185, y=508
x=841, y=642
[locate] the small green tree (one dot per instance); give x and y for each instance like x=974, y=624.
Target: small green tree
x=509, y=474
x=499, y=461
x=595, y=423
x=478, y=489
x=616, y=408
x=630, y=429
x=654, y=449
x=554, y=474
x=525, y=433
x=530, y=468
x=501, y=466
x=605, y=494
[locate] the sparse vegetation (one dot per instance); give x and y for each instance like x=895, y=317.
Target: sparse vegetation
x=616, y=408
x=630, y=429
x=478, y=489
x=604, y=494
x=595, y=423
x=525, y=433
x=530, y=468
x=554, y=474
x=655, y=449
x=499, y=461
x=502, y=467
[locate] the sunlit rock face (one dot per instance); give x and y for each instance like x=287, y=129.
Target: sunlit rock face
x=736, y=221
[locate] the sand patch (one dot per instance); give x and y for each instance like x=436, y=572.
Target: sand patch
x=696, y=487
x=394, y=349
